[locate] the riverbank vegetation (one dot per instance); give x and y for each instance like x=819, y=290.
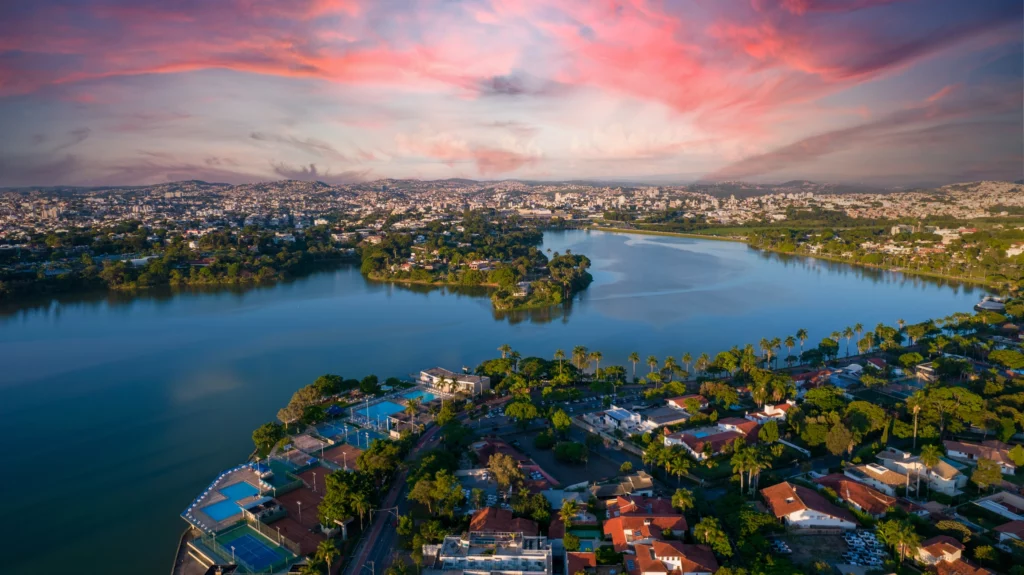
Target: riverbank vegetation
x=130, y=256
x=480, y=250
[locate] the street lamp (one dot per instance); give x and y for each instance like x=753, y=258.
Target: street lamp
x=300, y=512
x=233, y=554
x=314, y=482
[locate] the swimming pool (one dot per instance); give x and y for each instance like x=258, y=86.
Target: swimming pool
x=239, y=490
x=586, y=545
x=224, y=509
x=381, y=409
x=424, y=396
x=586, y=533
x=700, y=434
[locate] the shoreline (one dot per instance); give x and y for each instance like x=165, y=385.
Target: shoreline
x=933, y=275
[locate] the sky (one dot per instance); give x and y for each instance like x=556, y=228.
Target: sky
x=880, y=92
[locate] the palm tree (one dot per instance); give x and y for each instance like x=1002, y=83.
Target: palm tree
x=596, y=356
x=361, y=505
x=900, y=322
x=634, y=358
x=801, y=334
x=559, y=357
x=504, y=349
x=766, y=349
x=776, y=343
x=703, y=362
x=914, y=403
x=683, y=500
x=899, y=534
x=579, y=353
x=740, y=464
x=848, y=334
x=570, y=508
x=670, y=366
x=412, y=406
x=327, y=552
x=930, y=457
x=790, y=343
x=859, y=328
x=687, y=358
x=652, y=362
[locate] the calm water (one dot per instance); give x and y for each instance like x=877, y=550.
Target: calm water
x=115, y=412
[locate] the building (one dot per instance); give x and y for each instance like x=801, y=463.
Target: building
x=805, y=508
x=877, y=476
x=497, y=520
x=616, y=418
x=940, y=478
x=492, y=553
x=641, y=483
x=682, y=401
x=713, y=440
x=633, y=520
x=664, y=415
x=971, y=452
x=1012, y=530
x=449, y=381
x=864, y=498
x=1003, y=503
x=941, y=548
x=671, y=558
x=771, y=413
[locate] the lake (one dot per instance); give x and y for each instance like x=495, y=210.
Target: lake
x=115, y=411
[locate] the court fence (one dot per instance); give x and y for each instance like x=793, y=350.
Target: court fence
x=272, y=534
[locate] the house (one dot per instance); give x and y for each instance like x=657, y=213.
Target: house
x=926, y=372
x=702, y=441
x=864, y=498
x=971, y=452
x=941, y=478
x=640, y=483
x=941, y=548
x=492, y=553
x=1011, y=530
x=497, y=520
x=682, y=401
x=801, y=507
x=882, y=479
x=671, y=558
x=664, y=415
x=959, y=567
x=1003, y=503
x=616, y=418
x=634, y=520
x=444, y=380
x=771, y=413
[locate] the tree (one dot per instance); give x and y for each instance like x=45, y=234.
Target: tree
x=839, y=439
x=1017, y=455
x=266, y=436
x=652, y=362
x=505, y=470
x=627, y=467
x=1008, y=358
x=634, y=358
x=570, y=508
x=559, y=357
x=571, y=542
x=523, y=411
x=571, y=452
x=801, y=334
x=987, y=474
x=505, y=349
x=596, y=357
x=327, y=552
x=910, y=360
x=686, y=358
x=709, y=532
x=683, y=500
x=899, y=535
x=561, y=421
x=769, y=432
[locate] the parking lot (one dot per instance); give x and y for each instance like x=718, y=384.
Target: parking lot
x=852, y=548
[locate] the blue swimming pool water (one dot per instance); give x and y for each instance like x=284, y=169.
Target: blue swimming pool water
x=222, y=510
x=700, y=434
x=586, y=545
x=424, y=396
x=239, y=490
x=381, y=409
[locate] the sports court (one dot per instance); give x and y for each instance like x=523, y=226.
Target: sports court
x=252, y=550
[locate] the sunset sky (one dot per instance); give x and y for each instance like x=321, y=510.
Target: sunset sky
x=873, y=91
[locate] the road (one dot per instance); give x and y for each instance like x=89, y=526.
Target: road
x=382, y=538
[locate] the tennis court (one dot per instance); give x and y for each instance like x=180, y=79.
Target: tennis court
x=255, y=552
x=334, y=430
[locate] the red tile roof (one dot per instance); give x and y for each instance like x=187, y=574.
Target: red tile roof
x=784, y=499
x=1012, y=528
x=941, y=545
x=959, y=567
x=577, y=561
x=867, y=498
x=692, y=558
x=495, y=519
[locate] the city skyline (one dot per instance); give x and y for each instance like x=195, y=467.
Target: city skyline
x=870, y=91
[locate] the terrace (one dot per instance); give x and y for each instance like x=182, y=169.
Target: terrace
x=219, y=506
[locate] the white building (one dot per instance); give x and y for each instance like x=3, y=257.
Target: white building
x=802, y=507
x=492, y=553
x=449, y=381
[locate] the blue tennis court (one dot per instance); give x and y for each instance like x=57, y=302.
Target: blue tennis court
x=253, y=553
x=332, y=430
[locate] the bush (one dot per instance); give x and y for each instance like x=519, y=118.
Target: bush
x=544, y=440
